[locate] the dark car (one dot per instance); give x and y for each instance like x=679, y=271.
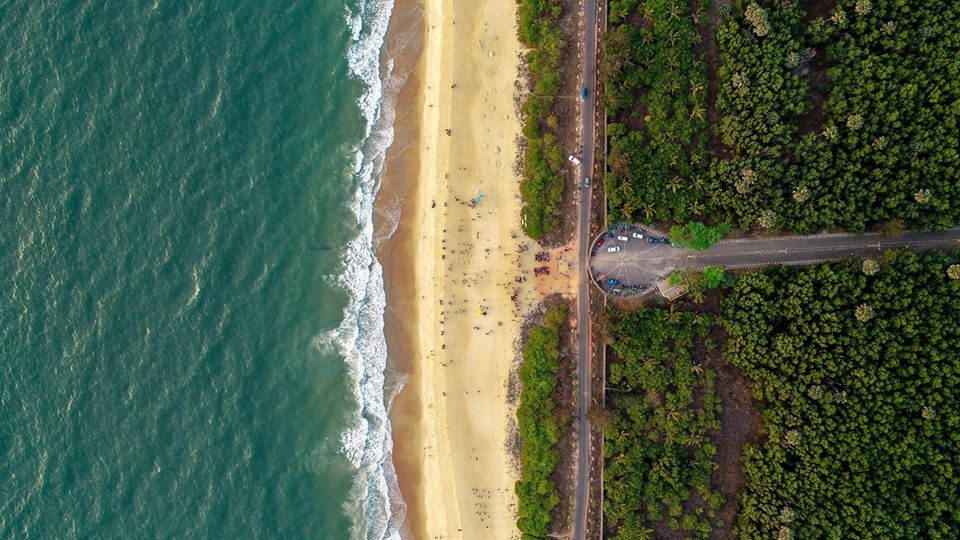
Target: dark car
x=612, y=281
x=583, y=93
x=664, y=240
x=651, y=240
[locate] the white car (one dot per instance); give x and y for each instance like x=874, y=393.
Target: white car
x=622, y=238
x=637, y=235
x=574, y=160
x=613, y=249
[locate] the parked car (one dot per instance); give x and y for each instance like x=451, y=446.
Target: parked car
x=608, y=235
x=574, y=159
x=613, y=249
x=583, y=93
x=664, y=240
x=601, y=241
x=652, y=240
x=637, y=235
x=612, y=281
x=622, y=238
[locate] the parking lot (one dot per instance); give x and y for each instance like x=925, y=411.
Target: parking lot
x=631, y=266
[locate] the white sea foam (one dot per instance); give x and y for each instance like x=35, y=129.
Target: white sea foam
x=374, y=503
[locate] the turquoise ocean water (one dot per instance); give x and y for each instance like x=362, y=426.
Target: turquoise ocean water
x=191, y=314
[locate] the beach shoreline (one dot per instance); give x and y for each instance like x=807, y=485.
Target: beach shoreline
x=459, y=273
x=396, y=249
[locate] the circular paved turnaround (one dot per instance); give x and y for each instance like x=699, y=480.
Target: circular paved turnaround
x=637, y=265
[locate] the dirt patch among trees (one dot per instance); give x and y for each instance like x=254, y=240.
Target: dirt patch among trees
x=741, y=424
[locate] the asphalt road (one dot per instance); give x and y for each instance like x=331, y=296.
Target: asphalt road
x=584, y=375
x=813, y=249
x=638, y=262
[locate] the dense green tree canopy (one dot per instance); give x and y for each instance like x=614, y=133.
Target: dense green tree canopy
x=655, y=89
x=656, y=449
x=882, y=145
x=860, y=380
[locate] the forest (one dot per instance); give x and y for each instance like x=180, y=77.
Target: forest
x=857, y=371
x=847, y=120
x=539, y=425
x=542, y=185
x=657, y=452
x=655, y=91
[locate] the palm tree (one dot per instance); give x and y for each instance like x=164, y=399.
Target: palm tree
x=673, y=317
x=697, y=112
x=674, y=12
x=672, y=38
x=675, y=184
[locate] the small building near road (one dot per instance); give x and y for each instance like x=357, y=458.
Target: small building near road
x=670, y=292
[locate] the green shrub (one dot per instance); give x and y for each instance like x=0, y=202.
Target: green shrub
x=539, y=428
x=696, y=235
x=543, y=184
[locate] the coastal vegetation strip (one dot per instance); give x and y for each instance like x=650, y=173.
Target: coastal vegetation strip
x=856, y=368
x=543, y=182
x=658, y=450
x=538, y=418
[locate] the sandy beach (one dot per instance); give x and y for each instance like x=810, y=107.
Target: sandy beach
x=473, y=277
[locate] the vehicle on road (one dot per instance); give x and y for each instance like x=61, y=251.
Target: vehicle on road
x=637, y=235
x=586, y=182
x=612, y=281
x=622, y=238
x=583, y=93
x=652, y=240
x=574, y=159
x=613, y=249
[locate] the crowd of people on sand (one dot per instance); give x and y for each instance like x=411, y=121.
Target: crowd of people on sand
x=541, y=271
x=542, y=256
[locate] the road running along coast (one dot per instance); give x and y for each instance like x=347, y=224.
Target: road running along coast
x=584, y=372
